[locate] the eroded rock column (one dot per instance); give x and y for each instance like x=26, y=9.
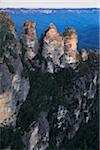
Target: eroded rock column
x=30, y=39
x=53, y=48
x=70, y=45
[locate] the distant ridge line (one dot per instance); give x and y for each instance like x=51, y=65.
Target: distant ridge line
x=50, y=10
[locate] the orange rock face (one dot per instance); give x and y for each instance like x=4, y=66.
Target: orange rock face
x=28, y=30
x=4, y=111
x=70, y=39
x=53, y=48
x=53, y=44
x=70, y=44
x=60, y=50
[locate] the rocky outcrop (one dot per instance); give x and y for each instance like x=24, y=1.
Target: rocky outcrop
x=14, y=86
x=57, y=51
x=30, y=39
x=70, y=40
x=60, y=51
x=53, y=48
x=70, y=48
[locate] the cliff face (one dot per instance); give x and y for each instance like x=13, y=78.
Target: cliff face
x=62, y=103
x=64, y=106
x=13, y=85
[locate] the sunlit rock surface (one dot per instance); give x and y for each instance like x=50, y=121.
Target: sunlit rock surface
x=13, y=85
x=60, y=50
x=70, y=57
x=53, y=48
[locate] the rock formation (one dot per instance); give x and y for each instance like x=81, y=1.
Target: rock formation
x=70, y=47
x=60, y=51
x=30, y=39
x=53, y=48
x=13, y=85
x=70, y=104
x=61, y=106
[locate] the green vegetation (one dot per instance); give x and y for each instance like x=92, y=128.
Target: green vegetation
x=10, y=66
x=9, y=137
x=41, y=88
x=87, y=138
x=46, y=93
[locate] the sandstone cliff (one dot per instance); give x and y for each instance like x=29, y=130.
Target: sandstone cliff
x=13, y=85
